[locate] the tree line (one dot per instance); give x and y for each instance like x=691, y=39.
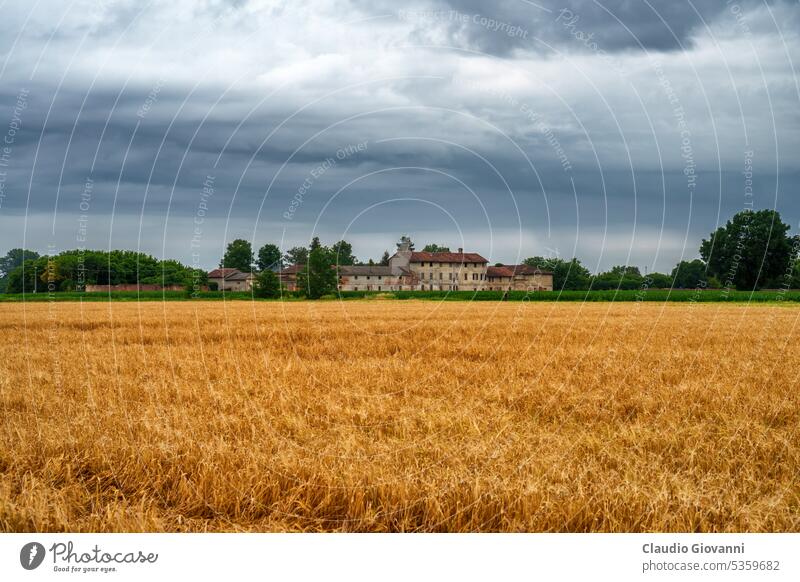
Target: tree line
x=752, y=250
x=27, y=271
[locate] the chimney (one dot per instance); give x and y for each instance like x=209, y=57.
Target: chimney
x=460, y=250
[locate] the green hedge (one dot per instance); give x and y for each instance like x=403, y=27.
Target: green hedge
x=661, y=295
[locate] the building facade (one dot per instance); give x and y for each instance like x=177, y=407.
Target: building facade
x=518, y=278
x=410, y=270
x=228, y=279
x=375, y=278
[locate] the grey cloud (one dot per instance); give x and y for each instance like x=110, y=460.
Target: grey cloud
x=406, y=123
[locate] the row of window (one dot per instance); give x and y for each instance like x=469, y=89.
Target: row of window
x=450, y=276
x=459, y=265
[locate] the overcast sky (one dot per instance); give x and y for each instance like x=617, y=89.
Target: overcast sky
x=619, y=132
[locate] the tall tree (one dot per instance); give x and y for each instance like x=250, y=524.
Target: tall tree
x=752, y=248
x=315, y=244
x=434, y=248
x=269, y=257
x=690, y=275
x=238, y=255
x=267, y=284
x=625, y=271
x=14, y=258
x=385, y=259
x=319, y=277
x=343, y=253
x=296, y=256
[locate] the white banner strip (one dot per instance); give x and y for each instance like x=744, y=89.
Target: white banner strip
x=354, y=557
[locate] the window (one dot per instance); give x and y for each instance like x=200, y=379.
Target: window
x=441, y=275
x=450, y=276
x=379, y=287
x=356, y=277
x=367, y=277
x=466, y=277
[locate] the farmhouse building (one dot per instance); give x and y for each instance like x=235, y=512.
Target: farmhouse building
x=228, y=279
x=410, y=270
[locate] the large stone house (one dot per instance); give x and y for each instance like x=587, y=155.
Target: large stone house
x=374, y=278
x=410, y=270
x=228, y=279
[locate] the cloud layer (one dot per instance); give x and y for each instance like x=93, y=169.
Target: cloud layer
x=617, y=131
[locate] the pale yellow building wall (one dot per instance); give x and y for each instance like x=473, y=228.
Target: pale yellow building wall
x=538, y=282
x=437, y=276
x=223, y=285
x=373, y=283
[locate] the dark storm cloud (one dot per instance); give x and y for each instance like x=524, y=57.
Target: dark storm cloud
x=156, y=133
x=501, y=27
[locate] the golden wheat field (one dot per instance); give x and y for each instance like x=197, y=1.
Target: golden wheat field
x=399, y=416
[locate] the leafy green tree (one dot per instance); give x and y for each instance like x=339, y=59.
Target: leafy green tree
x=343, y=253
x=434, y=248
x=238, y=255
x=74, y=269
x=690, y=275
x=315, y=244
x=567, y=275
x=13, y=259
x=385, y=259
x=269, y=257
x=623, y=277
x=625, y=271
x=26, y=277
x=296, y=256
x=658, y=281
x=319, y=277
x=752, y=248
x=794, y=281
x=267, y=284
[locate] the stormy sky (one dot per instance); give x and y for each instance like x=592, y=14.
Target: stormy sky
x=619, y=132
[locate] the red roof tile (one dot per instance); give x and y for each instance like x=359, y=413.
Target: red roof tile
x=223, y=273
x=499, y=272
x=420, y=257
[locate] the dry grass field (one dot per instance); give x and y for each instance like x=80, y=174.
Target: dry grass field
x=399, y=416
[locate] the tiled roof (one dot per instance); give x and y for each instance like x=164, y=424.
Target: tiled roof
x=499, y=272
x=420, y=257
x=238, y=276
x=225, y=273
x=378, y=270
